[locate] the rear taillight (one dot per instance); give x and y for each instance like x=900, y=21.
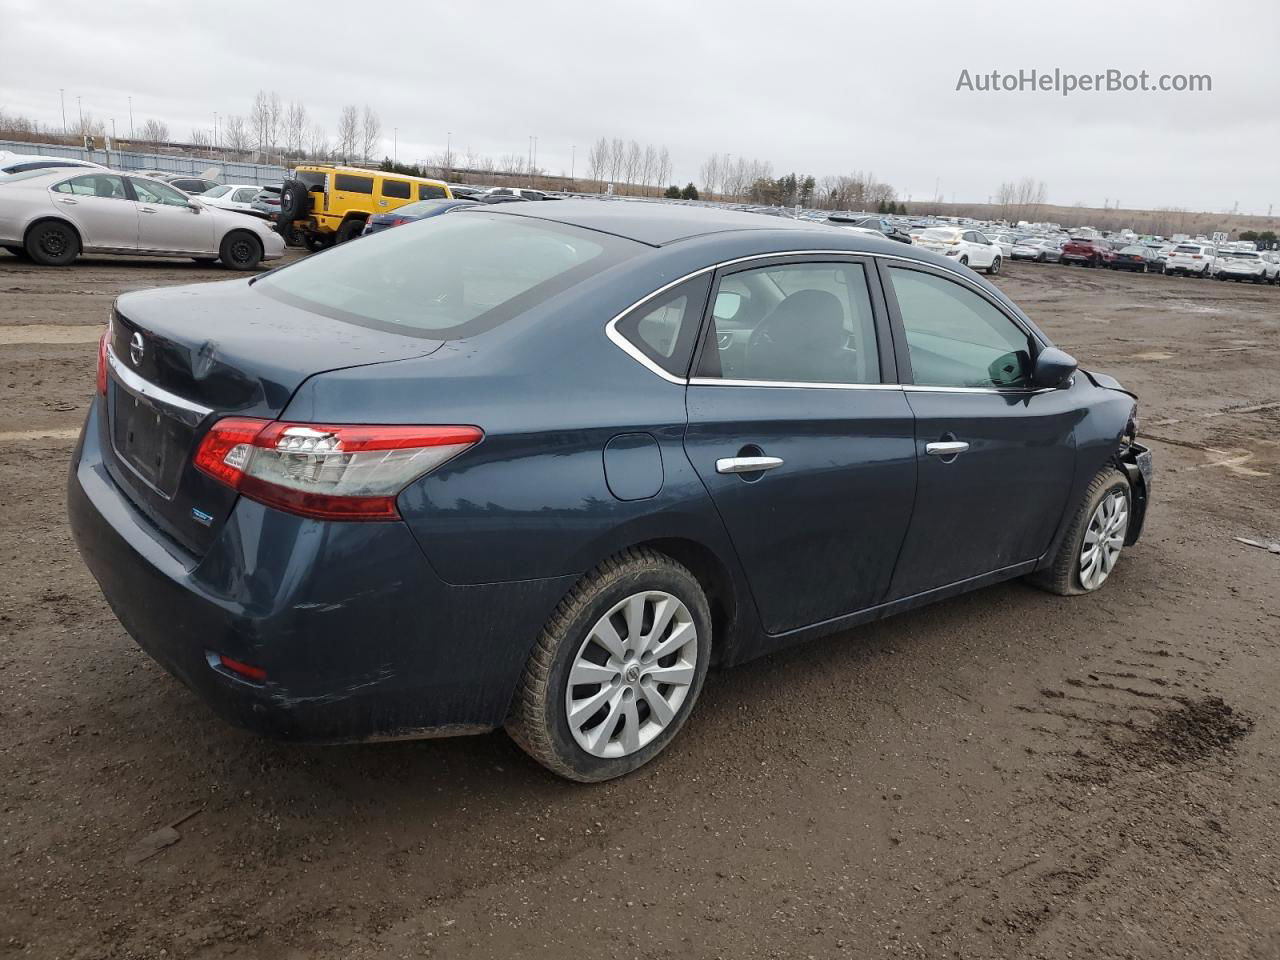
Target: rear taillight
x=102, y=361
x=331, y=472
x=398, y=220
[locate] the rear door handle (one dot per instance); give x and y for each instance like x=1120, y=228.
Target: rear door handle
x=946, y=448
x=147, y=209
x=747, y=464
x=68, y=200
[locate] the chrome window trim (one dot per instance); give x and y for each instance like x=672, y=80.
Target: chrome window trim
x=627, y=347
x=722, y=382
x=145, y=388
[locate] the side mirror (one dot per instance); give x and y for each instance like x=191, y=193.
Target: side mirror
x=194, y=205
x=1053, y=368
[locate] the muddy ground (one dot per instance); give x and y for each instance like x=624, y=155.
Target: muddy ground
x=1007, y=774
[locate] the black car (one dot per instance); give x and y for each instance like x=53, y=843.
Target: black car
x=538, y=466
x=872, y=222
x=1137, y=257
x=411, y=212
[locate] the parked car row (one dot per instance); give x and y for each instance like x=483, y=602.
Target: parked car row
x=52, y=215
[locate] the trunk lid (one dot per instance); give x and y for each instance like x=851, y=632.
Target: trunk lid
x=183, y=357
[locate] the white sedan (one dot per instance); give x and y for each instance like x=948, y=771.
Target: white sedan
x=232, y=196
x=966, y=246
x=52, y=216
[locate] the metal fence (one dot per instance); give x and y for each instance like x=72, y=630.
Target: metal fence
x=224, y=170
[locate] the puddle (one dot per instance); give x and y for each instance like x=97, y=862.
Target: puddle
x=1152, y=355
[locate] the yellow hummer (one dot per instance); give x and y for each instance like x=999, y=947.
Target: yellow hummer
x=327, y=203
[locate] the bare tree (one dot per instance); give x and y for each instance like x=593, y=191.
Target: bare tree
x=154, y=132
x=295, y=128
x=237, y=134
x=317, y=142
x=201, y=139
x=260, y=120
x=348, y=131
x=371, y=131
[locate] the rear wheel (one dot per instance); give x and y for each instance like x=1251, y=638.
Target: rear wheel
x=53, y=243
x=240, y=250
x=964, y=261
x=317, y=242
x=1091, y=547
x=616, y=671
x=995, y=267
x=349, y=230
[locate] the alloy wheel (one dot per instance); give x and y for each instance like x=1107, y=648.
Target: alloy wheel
x=1104, y=539
x=632, y=674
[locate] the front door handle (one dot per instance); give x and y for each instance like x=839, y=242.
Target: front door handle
x=946, y=448
x=147, y=209
x=747, y=464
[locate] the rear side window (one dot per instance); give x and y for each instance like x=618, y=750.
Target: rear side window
x=955, y=337
x=107, y=186
x=349, y=183
x=429, y=191
x=792, y=323
x=449, y=277
x=664, y=329
x=396, y=189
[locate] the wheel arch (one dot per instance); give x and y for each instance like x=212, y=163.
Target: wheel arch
x=713, y=575
x=51, y=218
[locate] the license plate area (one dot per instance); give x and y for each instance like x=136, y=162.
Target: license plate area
x=150, y=442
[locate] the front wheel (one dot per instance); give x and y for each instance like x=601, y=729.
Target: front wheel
x=349, y=230
x=994, y=268
x=240, y=250
x=1092, y=544
x=616, y=671
x=964, y=261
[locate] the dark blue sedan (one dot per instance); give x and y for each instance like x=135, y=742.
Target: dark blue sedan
x=411, y=213
x=538, y=466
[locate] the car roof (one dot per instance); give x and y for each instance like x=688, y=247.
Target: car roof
x=655, y=224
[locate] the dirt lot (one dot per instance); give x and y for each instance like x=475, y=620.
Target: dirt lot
x=1007, y=774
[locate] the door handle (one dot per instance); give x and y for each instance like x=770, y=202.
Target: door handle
x=71, y=201
x=146, y=210
x=946, y=448
x=747, y=464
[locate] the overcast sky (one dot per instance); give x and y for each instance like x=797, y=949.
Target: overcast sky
x=817, y=87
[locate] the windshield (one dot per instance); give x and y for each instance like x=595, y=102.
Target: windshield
x=1134, y=249
x=946, y=236
x=26, y=175
x=218, y=191
x=447, y=277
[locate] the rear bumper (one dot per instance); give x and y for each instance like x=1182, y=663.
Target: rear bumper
x=358, y=636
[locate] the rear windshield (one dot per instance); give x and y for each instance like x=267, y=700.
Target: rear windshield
x=1239, y=255
x=947, y=235
x=446, y=277
x=1187, y=248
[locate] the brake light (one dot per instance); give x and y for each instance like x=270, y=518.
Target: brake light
x=398, y=220
x=330, y=472
x=249, y=672
x=102, y=361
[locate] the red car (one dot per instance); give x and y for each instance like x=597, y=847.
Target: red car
x=1088, y=252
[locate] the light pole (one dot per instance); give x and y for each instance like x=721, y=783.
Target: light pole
x=215, y=130
x=80, y=107
x=215, y=122
x=573, y=157
x=62, y=96
x=395, y=144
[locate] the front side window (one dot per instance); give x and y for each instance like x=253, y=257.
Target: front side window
x=149, y=191
x=957, y=338
x=95, y=185
x=795, y=323
x=664, y=329
x=449, y=277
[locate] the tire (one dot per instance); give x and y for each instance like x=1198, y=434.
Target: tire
x=52, y=243
x=964, y=261
x=240, y=250
x=295, y=201
x=539, y=721
x=1064, y=575
x=1040, y=259
x=994, y=268
x=349, y=230
x=317, y=242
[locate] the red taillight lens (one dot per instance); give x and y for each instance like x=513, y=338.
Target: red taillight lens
x=102, y=361
x=331, y=472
